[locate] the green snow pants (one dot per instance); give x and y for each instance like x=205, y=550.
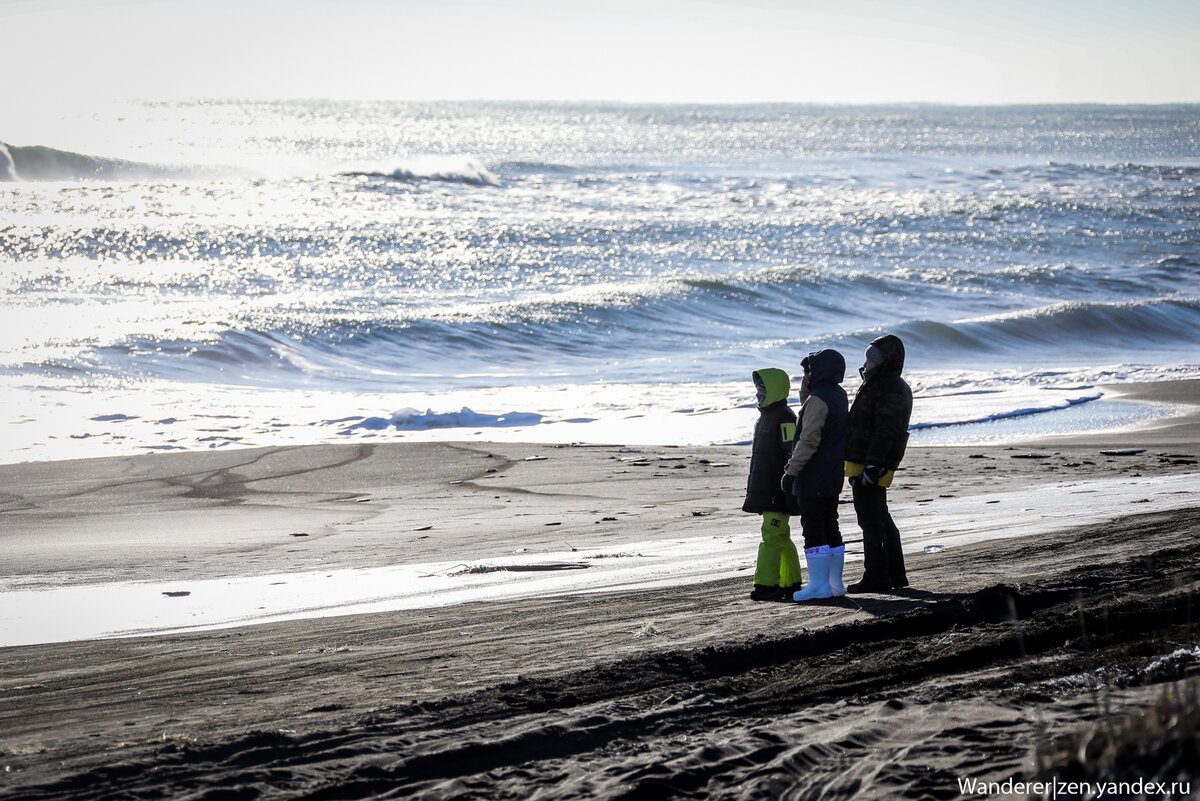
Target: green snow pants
x=778, y=562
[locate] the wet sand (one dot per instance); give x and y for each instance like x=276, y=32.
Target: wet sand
x=685, y=690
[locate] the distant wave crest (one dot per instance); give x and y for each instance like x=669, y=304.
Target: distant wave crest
x=446, y=169
x=40, y=163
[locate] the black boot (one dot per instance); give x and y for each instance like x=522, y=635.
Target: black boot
x=866, y=584
x=761, y=592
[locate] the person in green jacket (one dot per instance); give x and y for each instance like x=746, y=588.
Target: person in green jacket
x=777, y=572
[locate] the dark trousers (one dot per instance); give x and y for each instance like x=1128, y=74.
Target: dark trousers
x=883, y=558
x=819, y=521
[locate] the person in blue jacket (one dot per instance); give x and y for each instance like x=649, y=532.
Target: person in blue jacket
x=815, y=470
x=777, y=571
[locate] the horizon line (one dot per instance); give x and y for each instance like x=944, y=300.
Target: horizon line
x=620, y=102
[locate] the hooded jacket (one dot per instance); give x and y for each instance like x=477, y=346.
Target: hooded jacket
x=878, y=422
x=773, y=435
x=816, y=459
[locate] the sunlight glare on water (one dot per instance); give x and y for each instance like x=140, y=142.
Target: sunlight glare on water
x=445, y=250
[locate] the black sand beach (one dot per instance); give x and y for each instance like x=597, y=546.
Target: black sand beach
x=689, y=691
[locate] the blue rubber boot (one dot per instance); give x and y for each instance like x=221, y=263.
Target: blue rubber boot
x=818, y=575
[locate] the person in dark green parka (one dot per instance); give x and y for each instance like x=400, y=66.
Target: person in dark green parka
x=875, y=443
x=777, y=572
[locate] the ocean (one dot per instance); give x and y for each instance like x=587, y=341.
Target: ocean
x=223, y=273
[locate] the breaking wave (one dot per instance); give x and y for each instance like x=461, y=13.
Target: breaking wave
x=40, y=163
x=8, y=170
x=534, y=346
x=1064, y=328
x=446, y=169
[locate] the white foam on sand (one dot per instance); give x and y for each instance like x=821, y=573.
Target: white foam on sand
x=55, y=422
x=128, y=609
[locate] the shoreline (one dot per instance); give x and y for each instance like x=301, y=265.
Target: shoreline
x=320, y=517
x=1182, y=425
x=348, y=527
x=582, y=691
x=689, y=415
x=34, y=614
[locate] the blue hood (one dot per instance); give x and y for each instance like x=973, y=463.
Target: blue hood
x=826, y=367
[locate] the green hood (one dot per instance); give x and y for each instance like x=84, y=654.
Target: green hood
x=778, y=385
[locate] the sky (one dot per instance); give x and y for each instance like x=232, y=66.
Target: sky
x=835, y=51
